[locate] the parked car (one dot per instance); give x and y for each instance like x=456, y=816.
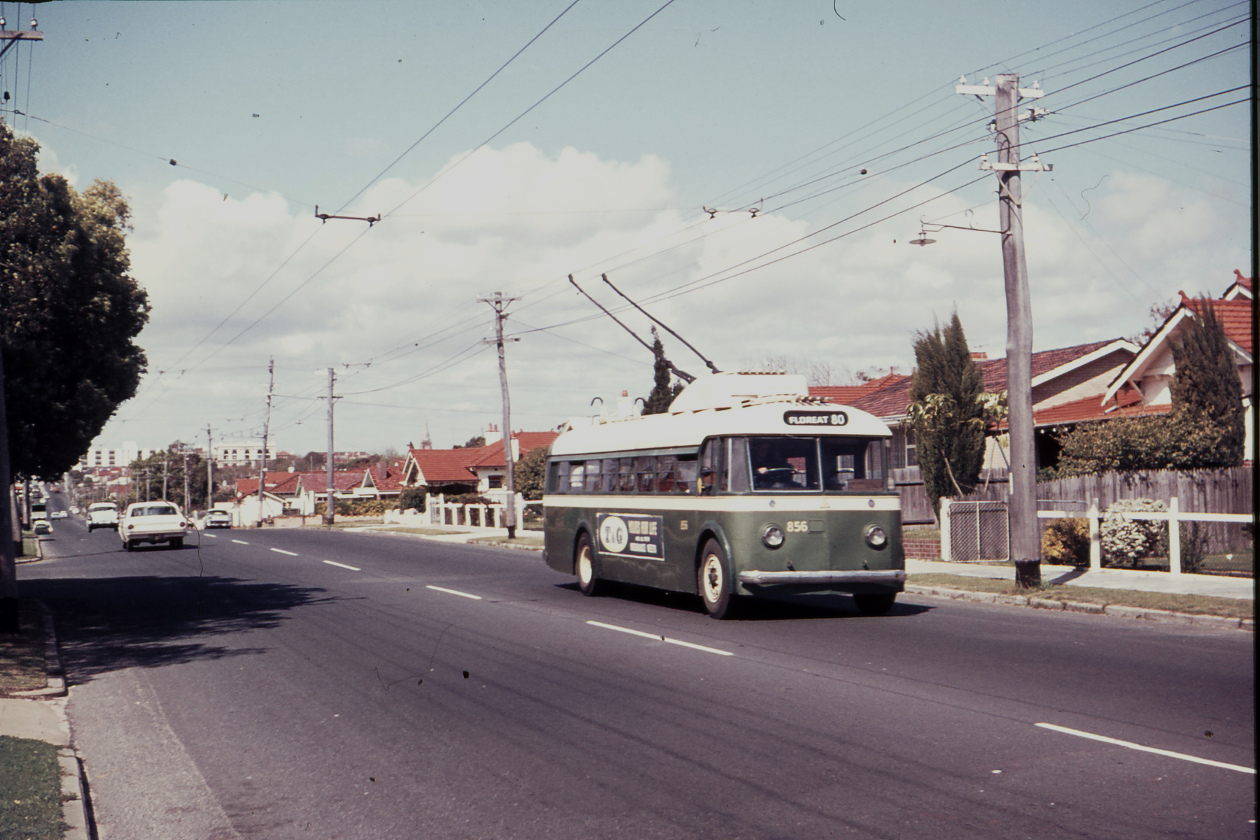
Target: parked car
x=59, y=514
x=218, y=519
x=41, y=526
x=102, y=515
x=152, y=522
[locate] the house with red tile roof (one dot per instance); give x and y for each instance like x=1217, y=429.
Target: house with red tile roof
x=1061, y=379
x=481, y=470
x=1147, y=379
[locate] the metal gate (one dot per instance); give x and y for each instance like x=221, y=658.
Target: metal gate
x=978, y=531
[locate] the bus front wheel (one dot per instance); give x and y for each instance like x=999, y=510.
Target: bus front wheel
x=714, y=581
x=584, y=567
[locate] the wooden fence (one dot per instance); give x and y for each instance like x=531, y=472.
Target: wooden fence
x=1197, y=491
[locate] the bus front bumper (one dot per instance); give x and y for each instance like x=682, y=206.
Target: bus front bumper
x=755, y=578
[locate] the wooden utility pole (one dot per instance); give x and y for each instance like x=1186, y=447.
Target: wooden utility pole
x=1025, y=542
x=500, y=305
x=330, y=501
x=209, y=468
x=262, y=473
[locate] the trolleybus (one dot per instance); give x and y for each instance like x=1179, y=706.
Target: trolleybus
x=748, y=486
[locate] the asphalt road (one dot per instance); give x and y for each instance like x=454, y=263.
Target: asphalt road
x=283, y=683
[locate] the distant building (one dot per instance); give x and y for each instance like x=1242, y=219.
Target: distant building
x=101, y=458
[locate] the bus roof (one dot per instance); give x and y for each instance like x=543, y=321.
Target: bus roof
x=682, y=429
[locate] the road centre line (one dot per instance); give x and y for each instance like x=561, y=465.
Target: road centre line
x=341, y=565
x=282, y=551
x=454, y=592
x=240, y=542
x=1078, y=733
x=660, y=638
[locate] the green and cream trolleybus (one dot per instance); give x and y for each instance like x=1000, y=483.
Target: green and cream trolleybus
x=747, y=486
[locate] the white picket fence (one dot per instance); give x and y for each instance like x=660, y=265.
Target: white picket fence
x=961, y=529
x=473, y=517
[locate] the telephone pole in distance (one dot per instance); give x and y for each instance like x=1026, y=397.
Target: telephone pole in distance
x=500, y=305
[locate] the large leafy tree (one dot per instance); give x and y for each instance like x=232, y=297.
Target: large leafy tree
x=530, y=474
x=947, y=412
x=69, y=311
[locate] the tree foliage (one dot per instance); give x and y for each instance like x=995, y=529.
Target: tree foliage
x=947, y=412
x=168, y=466
x=664, y=387
x=1207, y=395
x=69, y=311
x=531, y=473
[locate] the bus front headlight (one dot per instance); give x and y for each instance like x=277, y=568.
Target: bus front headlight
x=876, y=537
x=772, y=536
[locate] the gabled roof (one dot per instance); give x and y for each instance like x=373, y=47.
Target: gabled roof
x=847, y=394
x=280, y=483
x=1240, y=288
x=491, y=455
x=891, y=398
x=1091, y=409
x=1235, y=316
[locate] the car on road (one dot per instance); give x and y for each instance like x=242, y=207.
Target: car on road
x=41, y=526
x=152, y=522
x=218, y=519
x=102, y=515
x=59, y=514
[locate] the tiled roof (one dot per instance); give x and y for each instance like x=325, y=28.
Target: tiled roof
x=445, y=466
x=892, y=397
x=847, y=394
x=491, y=455
x=1234, y=315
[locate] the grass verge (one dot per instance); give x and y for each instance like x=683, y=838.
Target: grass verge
x=1172, y=602
x=30, y=790
x=22, y=655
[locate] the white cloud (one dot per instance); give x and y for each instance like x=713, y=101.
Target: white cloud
x=402, y=295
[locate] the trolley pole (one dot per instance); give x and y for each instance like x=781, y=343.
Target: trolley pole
x=1025, y=542
x=500, y=305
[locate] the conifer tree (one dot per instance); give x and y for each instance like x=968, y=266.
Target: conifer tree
x=663, y=392
x=1207, y=403
x=947, y=412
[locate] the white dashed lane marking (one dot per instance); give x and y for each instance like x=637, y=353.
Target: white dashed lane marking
x=1132, y=746
x=659, y=638
x=240, y=542
x=454, y=592
x=343, y=566
x=282, y=551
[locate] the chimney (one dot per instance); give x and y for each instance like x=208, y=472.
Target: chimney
x=977, y=356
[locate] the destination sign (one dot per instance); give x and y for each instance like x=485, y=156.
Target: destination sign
x=815, y=418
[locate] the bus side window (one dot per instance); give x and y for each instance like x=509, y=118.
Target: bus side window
x=626, y=484
x=559, y=476
x=645, y=467
x=576, y=472
x=665, y=474
x=709, y=467
x=686, y=482
x=609, y=478
x=593, y=478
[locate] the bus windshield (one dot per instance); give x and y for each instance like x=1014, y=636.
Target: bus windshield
x=832, y=464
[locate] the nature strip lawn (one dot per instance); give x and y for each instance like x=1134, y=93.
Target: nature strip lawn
x=1170, y=602
x=30, y=790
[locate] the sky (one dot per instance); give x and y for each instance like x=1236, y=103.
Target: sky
x=751, y=174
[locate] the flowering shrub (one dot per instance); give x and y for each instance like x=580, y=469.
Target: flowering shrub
x=1126, y=540
x=1066, y=541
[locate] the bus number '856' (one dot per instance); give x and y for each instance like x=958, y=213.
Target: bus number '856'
x=797, y=526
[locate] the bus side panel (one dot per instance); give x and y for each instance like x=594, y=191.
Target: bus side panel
x=560, y=536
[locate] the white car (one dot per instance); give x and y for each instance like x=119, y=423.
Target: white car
x=152, y=522
x=102, y=515
x=218, y=519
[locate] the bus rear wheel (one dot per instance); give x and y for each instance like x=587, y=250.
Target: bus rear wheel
x=714, y=581
x=584, y=567
x=878, y=603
